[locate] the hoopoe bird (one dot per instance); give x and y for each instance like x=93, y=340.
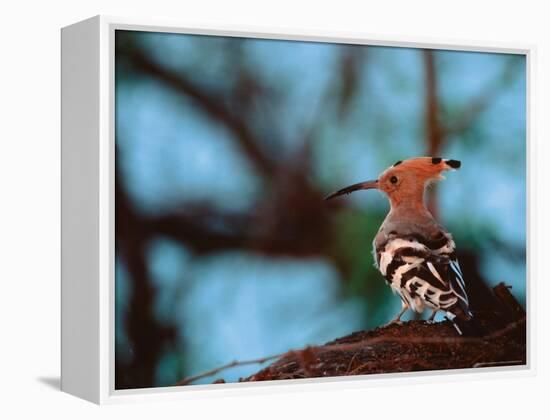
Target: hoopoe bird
x=414, y=253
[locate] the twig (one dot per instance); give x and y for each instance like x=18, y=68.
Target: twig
x=351, y=362
x=189, y=379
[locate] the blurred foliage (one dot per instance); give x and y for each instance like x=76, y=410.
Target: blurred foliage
x=354, y=231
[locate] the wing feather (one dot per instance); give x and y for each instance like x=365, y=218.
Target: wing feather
x=432, y=264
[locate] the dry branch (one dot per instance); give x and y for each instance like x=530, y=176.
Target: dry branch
x=411, y=346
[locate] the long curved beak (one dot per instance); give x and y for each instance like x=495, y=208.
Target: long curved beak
x=368, y=185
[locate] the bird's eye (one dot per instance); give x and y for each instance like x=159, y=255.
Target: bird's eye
x=393, y=180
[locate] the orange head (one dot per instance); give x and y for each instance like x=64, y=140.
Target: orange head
x=405, y=181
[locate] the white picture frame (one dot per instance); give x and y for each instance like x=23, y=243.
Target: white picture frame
x=88, y=212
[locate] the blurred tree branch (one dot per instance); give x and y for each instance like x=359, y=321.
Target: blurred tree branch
x=146, y=334
x=463, y=119
x=213, y=104
x=352, y=67
x=434, y=130
x=438, y=131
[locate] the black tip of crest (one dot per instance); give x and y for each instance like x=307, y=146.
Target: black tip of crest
x=453, y=163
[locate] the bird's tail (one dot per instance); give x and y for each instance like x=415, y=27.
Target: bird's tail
x=465, y=323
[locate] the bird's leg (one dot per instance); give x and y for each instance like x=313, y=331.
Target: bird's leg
x=432, y=317
x=397, y=319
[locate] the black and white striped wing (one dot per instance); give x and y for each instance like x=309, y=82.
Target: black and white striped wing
x=445, y=275
x=425, y=270
x=456, y=280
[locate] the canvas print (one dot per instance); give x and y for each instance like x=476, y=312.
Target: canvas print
x=289, y=209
